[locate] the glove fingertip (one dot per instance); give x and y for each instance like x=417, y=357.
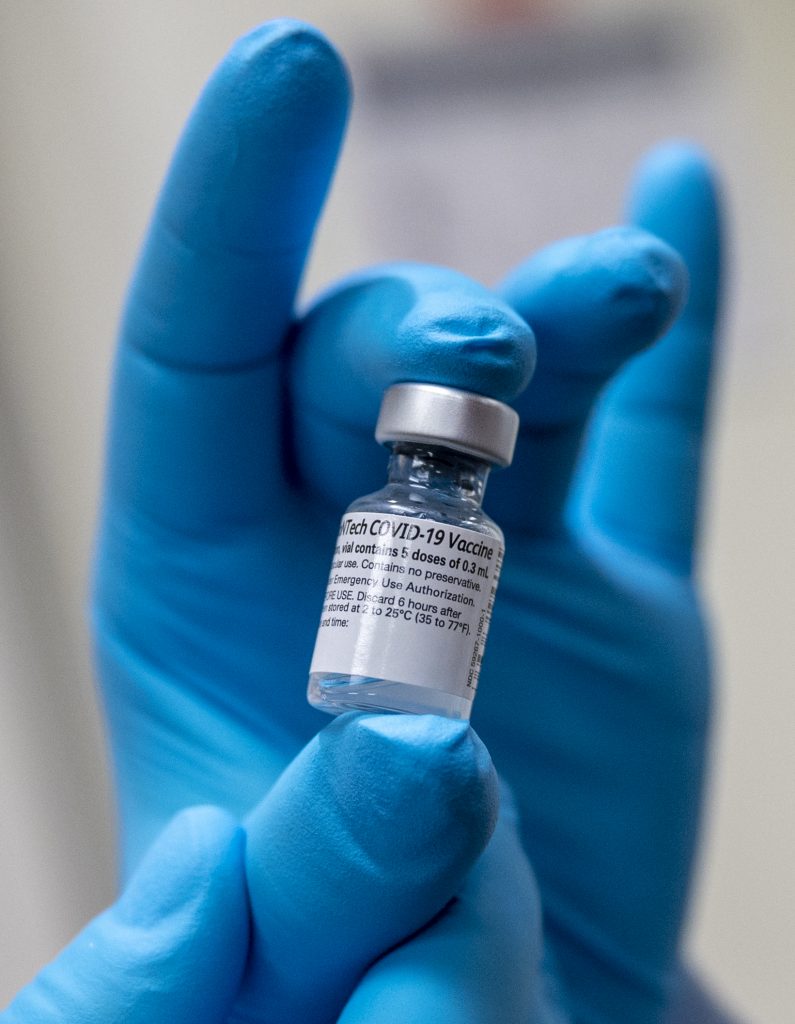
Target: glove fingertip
x=299, y=44
x=424, y=769
x=654, y=288
x=594, y=301
x=676, y=194
x=671, y=166
x=409, y=321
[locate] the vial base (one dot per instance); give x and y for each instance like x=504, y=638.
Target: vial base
x=335, y=694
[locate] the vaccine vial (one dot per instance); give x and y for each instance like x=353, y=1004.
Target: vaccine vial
x=416, y=565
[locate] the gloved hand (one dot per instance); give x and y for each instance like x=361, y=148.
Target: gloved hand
x=594, y=697
x=367, y=834
x=237, y=437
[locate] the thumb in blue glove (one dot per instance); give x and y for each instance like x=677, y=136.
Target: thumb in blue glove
x=172, y=949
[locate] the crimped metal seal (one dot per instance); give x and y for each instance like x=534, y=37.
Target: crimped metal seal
x=460, y=420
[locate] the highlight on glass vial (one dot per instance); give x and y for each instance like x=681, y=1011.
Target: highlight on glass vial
x=416, y=566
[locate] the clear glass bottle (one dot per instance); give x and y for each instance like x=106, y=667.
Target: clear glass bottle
x=416, y=566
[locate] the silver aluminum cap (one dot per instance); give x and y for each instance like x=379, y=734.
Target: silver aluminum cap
x=460, y=420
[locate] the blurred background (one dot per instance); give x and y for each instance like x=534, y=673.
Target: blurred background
x=481, y=130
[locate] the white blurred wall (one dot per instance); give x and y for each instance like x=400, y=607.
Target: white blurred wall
x=92, y=96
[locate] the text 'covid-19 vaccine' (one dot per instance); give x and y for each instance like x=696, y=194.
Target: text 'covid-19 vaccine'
x=416, y=566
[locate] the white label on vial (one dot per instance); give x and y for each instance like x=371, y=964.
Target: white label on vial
x=408, y=600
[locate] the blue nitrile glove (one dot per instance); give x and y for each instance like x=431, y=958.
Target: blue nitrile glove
x=237, y=438
x=329, y=891
x=603, y=735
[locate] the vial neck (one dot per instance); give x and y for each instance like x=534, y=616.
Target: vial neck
x=459, y=476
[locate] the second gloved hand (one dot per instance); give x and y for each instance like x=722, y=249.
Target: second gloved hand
x=365, y=837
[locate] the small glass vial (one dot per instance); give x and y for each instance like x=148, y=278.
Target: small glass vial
x=416, y=566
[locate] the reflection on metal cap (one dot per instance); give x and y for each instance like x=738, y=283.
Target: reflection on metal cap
x=456, y=419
